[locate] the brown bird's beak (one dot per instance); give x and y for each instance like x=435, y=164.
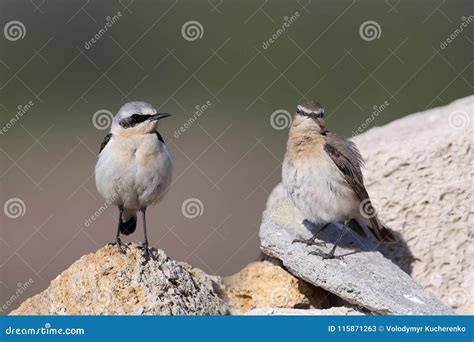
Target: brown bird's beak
x=159, y=116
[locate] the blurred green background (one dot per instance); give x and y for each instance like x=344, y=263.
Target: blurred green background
x=229, y=158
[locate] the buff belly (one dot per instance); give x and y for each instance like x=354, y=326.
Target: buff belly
x=318, y=191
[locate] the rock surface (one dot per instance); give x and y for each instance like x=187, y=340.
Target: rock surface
x=419, y=174
x=343, y=311
x=265, y=285
x=108, y=282
x=363, y=277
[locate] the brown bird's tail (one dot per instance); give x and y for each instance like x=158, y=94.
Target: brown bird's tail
x=368, y=215
x=381, y=232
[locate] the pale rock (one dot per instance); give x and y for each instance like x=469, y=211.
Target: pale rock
x=108, y=282
x=337, y=310
x=262, y=284
x=419, y=171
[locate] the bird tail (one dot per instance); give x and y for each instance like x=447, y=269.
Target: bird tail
x=381, y=232
x=127, y=225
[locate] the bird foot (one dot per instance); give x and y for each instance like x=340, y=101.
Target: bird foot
x=146, y=250
x=122, y=247
x=309, y=242
x=326, y=256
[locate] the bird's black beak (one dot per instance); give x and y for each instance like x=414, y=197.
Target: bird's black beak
x=159, y=116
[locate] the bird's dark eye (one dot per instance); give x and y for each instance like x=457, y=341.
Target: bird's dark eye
x=300, y=112
x=136, y=116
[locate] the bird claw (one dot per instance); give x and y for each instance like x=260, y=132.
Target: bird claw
x=122, y=247
x=309, y=242
x=146, y=250
x=325, y=256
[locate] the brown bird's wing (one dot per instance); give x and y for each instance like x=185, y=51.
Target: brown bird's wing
x=347, y=158
x=105, y=141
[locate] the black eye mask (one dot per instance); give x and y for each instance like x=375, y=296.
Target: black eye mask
x=312, y=115
x=134, y=120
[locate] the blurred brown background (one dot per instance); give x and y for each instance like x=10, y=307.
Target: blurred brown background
x=228, y=159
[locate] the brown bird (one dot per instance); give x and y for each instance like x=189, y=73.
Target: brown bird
x=322, y=177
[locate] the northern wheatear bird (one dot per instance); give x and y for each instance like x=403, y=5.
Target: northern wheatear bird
x=134, y=168
x=322, y=176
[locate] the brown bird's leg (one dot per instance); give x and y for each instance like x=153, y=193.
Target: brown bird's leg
x=331, y=255
x=312, y=240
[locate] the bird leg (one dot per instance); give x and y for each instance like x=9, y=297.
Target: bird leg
x=120, y=245
x=331, y=255
x=145, y=242
x=312, y=240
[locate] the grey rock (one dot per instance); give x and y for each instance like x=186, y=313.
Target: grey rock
x=342, y=311
x=363, y=276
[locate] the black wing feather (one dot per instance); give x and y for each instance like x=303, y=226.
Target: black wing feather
x=105, y=141
x=160, y=138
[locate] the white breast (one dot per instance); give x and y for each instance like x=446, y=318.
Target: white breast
x=318, y=190
x=134, y=171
